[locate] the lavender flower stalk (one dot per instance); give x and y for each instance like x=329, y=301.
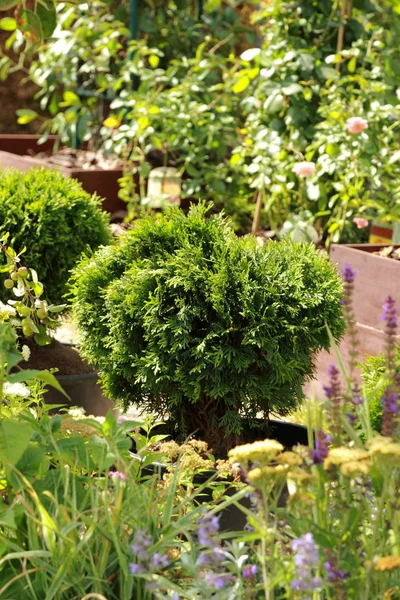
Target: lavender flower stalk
x=390, y=397
x=348, y=276
x=305, y=559
x=334, y=395
x=321, y=450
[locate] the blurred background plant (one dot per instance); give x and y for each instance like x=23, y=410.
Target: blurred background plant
x=247, y=91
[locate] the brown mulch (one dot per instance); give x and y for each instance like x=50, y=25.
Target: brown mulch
x=56, y=356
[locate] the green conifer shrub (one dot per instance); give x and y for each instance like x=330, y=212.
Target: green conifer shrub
x=54, y=218
x=185, y=318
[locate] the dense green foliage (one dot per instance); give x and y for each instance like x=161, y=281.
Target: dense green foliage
x=194, y=321
x=54, y=219
x=374, y=375
x=254, y=114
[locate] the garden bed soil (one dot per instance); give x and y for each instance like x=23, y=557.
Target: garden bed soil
x=79, y=159
x=63, y=357
x=23, y=153
x=377, y=277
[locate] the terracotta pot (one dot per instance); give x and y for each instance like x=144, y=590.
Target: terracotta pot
x=376, y=278
x=14, y=150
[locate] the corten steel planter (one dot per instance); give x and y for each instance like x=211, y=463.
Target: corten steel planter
x=15, y=150
x=376, y=278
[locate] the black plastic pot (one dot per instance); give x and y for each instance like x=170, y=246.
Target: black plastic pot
x=83, y=390
x=233, y=518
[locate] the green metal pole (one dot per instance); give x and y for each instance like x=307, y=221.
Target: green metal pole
x=134, y=19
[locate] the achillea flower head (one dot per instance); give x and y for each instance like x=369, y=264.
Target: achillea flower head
x=304, y=169
x=263, y=452
x=290, y=458
x=259, y=477
x=356, y=125
x=389, y=452
x=356, y=467
x=306, y=557
x=387, y=563
x=343, y=454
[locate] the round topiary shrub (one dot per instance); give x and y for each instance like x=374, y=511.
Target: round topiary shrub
x=186, y=319
x=54, y=219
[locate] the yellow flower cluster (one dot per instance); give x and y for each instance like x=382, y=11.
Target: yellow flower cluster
x=351, y=461
x=386, y=449
x=290, y=458
x=262, y=452
x=259, y=477
x=387, y=563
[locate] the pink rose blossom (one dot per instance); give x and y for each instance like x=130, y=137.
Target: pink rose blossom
x=356, y=125
x=360, y=222
x=304, y=169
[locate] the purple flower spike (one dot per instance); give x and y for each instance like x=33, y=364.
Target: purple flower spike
x=159, y=560
x=320, y=451
x=134, y=568
x=216, y=581
x=249, y=571
x=141, y=543
x=208, y=528
x=348, y=275
x=305, y=558
x=390, y=313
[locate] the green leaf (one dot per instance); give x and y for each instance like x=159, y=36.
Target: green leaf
x=31, y=25
x=274, y=104
x=326, y=72
x=292, y=88
x=8, y=24
x=46, y=12
x=70, y=99
x=352, y=65
x=30, y=462
x=49, y=378
x=42, y=338
x=25, y=115
x=241, y=85
x=7, y=4
x=154, y=60
x=14, y=439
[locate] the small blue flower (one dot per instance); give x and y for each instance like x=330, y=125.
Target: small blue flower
x=141, y=542
x=135, y=568
x=159, y=560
